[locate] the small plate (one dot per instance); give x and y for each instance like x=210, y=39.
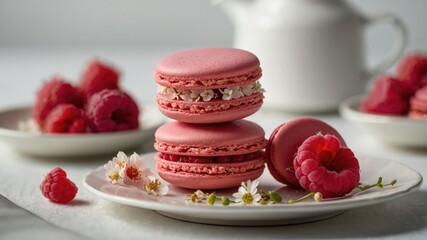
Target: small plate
x=174, y=205
x=67, y=145
x=395, y=130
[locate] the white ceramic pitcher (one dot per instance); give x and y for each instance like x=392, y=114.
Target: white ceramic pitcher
x=311, y=51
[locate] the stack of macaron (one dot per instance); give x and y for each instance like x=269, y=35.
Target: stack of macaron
x=208, y=92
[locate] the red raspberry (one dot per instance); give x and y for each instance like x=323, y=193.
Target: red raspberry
x=388, y=96
x=98, y=76
x=412, y=71
x=57, y=187
x=65, y=118
x=53, y=93
x=111, y=110
x=322, y=165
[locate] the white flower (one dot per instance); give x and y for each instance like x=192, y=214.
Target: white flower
x=257, y=88
x=184, y=94
x=195, y=94
x=169, y=93
x=207, y=95
x=155, y=186
x=114, y=167
x=248, y=193
x=197, y=196
x=237, y=92
x=247, y=89
x=29, y=126
x=135, y=171
x=230, y=93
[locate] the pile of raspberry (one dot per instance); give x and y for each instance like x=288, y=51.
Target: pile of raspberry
x=395, y=95
x=95, y=104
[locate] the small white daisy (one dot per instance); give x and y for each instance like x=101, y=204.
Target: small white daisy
x=114, y=167
x=135, y=171
x=248, y=193
x=155, y=187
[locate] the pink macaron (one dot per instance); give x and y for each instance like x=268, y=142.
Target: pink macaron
x=209, y=85
x=210, y=156
x=418, y=104
x=285, y=141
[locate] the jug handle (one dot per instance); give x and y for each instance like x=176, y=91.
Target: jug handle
x=398, y=45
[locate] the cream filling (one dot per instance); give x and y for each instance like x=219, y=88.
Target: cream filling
x=206, y=95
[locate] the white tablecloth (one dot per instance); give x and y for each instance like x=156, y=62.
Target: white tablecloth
x=25, y=214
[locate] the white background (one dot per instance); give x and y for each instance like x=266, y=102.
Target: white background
x=138, y=23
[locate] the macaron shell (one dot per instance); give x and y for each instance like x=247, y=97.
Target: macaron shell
x=190, y=67
x=221, y=139
x=212, y=111
x=211, y=176
x=284, y=142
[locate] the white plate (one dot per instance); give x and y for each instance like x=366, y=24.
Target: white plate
x=173, y=204
x=68, y=145
x=395, y=130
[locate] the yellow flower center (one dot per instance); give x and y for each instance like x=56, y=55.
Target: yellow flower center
x=153, y=185
x=121, y=164
x=114, y=176
x=133, y=173
x=248, y=198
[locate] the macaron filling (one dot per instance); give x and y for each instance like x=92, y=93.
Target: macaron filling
x=209, y=151
x=209, y=168
x=206, y=95
x=214, y=159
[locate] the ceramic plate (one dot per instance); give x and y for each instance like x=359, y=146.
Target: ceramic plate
x=395, y=130
x=174, y=205
x=76, y=144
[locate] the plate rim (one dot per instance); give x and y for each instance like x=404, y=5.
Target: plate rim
x=347, y=110
x=327, y=206
x=14, y=133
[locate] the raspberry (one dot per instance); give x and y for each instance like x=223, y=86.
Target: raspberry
x=412, y=71
x=98, y=76
x=53, y=93
x=388, y=96
x=322, y=165
x=65, y=118
x=57, y=187
x=111, y=110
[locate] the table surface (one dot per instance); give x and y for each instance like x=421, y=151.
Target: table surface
x=22, y=73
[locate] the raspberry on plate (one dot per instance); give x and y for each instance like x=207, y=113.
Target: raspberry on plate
x=323, y=165
x=98, y=76
x=53, y=93
x=65, y=118
x=111, y=110
x=57, y=187
x=412, y=70
x=388, y=96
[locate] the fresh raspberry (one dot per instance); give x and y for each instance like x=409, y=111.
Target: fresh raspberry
x=412, y=71
x=388, y=96
x=110, y=111
x=322, y=165
x=53, y=93
x=57, y=187
x=65, y=118
x=99, y=76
